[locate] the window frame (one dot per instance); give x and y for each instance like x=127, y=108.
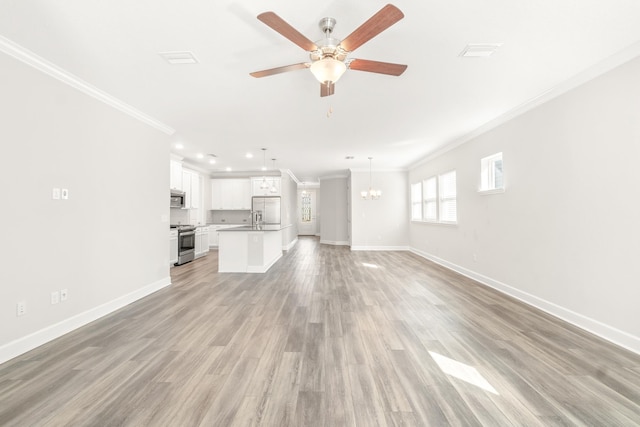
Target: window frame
x=488, y=174
x=436, y=200
x=429, y=200
x=443, y=199
x=418, y=202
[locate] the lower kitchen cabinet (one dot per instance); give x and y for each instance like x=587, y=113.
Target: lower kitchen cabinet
x=173, y=246
x=202, y=241
x=213, y=236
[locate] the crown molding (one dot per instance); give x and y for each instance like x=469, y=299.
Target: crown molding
x=379, y=170
x=30, y=58
x=617, y=59
x=324, y=178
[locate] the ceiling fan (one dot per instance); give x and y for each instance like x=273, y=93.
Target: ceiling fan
x=329, y=56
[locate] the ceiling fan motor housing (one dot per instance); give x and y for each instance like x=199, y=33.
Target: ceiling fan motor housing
x=328, y=47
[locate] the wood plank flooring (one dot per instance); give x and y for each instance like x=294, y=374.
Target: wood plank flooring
x=327, y=337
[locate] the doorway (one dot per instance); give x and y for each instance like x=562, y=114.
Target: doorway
x=307, y=225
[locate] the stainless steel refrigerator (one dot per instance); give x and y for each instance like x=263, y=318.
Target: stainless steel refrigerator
x=265, y=210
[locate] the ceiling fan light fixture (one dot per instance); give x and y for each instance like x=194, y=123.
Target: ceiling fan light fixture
x=328, y=70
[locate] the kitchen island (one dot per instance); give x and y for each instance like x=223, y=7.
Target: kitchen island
x=249, y=249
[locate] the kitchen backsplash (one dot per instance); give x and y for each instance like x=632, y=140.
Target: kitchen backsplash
x=229, y=217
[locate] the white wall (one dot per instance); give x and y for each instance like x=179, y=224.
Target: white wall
x=566, y=233
x=333, y=211
x=288, y=190
x=107, y=244
x=380, y=224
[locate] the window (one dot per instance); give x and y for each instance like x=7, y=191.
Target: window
x=491, y=173
x=306, y=206
x=435, y=199
x=416, y=201
x=431, y=199
x=448, y=203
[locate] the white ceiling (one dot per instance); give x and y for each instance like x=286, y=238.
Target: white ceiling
x=216, y=107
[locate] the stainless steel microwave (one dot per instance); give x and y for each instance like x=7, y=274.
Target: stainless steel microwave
x=177, y=199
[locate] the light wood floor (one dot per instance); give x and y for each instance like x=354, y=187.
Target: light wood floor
x=327, y=337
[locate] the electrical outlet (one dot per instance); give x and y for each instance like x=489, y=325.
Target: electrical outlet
x=63, y=295
x=475, y=257
x=65, y=194
x=55, y=194
x=21, y=308
x=55, y=297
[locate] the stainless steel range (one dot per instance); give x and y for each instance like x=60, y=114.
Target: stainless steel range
x=186, y=243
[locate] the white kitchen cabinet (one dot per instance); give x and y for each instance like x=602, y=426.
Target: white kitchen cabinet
x=173, y=246
x=186, y=187
x=213, y=236
x=241, y=194
x=195, y=191
x=216, y=194
x=231, y=194
x=175, y=175
x=272, y=181
x=191, y=188
x=202, y=241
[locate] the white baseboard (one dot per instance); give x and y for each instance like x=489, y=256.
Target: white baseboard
x=379, y=248
x=290, y=245
x=334, y=242
x=263, y=268
x=43, y=336
x=607, y=332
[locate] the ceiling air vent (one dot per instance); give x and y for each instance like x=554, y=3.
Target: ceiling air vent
x=480, y=50
x=177, y=58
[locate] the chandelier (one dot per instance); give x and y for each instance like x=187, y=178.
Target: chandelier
x=370, y=194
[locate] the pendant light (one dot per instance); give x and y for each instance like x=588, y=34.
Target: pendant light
x=273, y=188
x=371, y=194
x=264, y=185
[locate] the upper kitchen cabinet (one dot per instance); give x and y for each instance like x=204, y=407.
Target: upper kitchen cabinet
x=273, y=186
x=231, y=194
x=175, y=175
x=191, y=187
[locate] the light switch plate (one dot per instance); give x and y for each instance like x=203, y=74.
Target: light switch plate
x=55, y=297
x=55, y=194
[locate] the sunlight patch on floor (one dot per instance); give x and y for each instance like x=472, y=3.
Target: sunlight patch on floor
x=366, y=264
x=462, y=371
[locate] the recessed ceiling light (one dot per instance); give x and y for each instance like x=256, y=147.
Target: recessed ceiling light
x=179, y=58
x=200, y=156
x=264, y=168
x=477, y=50
x=179, y=146
x=212, y=161
x=228, y=169
x=249, y=155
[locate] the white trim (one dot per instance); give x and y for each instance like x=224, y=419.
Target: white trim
x=334, y=242
x=583, y=77
x=30, y=58
x=607, y=332
x=493, y=191
x=379, y=248
x=43, y=336
x=359, y=170
x=324, y=178
x=290, y=245
x=263, y=268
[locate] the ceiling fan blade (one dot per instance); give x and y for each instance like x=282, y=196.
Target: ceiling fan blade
x=377, y=67
x=278, y=70
x=386, y=17
x=327, y=89
x=282, y=27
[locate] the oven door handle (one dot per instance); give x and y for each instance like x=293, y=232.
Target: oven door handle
x=186, y=233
